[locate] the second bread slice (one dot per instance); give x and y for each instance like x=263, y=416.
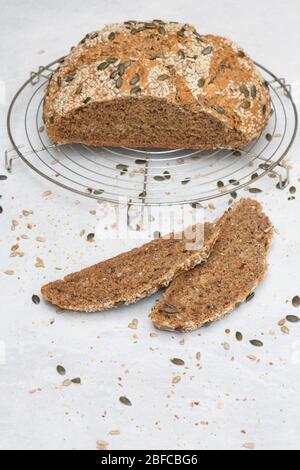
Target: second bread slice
x=132, y=275
x=238, y=262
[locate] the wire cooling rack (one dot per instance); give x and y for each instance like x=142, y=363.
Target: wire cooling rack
x=149, y=176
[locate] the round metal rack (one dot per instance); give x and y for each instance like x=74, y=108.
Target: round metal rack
x=148, y=176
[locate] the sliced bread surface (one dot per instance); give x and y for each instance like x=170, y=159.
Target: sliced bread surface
x=237, y=264
x=131, y=276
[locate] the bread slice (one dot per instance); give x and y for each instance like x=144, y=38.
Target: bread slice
x=132, y=275
x=156, y=84
x=237, y=264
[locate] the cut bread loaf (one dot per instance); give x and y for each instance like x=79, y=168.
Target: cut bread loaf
x=237, y=264
x=132, y=275
x=156, y=84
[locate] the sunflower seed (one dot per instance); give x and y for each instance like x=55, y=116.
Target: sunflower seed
x=125, y=401
x=245, y=91
x=61, y=370
x=170, y=309
x=296, y=301
x=246, y=104
x=292, y=318
x=163, y=77
x=35, y=299
x=256, y=343
x=177, y=362
x=134, y=80
x=201, y=82
x=207, y=50
x=103, y=66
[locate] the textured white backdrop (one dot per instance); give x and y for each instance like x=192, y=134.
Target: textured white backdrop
x=240, y=401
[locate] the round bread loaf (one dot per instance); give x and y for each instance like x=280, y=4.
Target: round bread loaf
x=156, y=84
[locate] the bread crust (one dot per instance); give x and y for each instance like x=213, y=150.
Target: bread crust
x=156, y=84
x=237, y=264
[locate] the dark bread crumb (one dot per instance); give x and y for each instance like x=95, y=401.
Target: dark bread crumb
x=130, y=276
x=237, y=264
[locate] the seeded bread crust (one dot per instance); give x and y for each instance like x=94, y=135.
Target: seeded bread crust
x=237, y=264
x=133, y=275
x=156, y=84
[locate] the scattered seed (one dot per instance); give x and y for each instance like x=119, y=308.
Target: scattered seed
x=292, y=318
x=239, y=336
x=97, y=192
x=293, y=190
x=35, y=299
x=201, y=82
x=220, y=184
x=296, y=301
x=285, y=330
x=177, y=361
x=9, y=272
x=90, y=237
x=61, y=370
x=123, y=168
x=140, y=162
x=167, y=175
x=233, y=195
x=250, y=297
x=255, y=190
x=186, y=181
x=77, y=380
x=125, y=401
x=176, y=379
x=256, y=343
x=269, y=137
x=159, y=178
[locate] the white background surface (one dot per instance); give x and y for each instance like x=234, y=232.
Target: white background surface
x=233, y=394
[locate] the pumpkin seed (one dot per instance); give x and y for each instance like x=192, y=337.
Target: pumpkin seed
x=256, y=343
x=77, y=380
x=103, y=66
x=296, y=301
x=269, y=137
x=255, y=190
x=292, y=319
x=253, y=91
x=135, y=90
x=135, y=80
x=177, y=361
x=245, y=91
x=163, y=77
x=250, y=297
x=246, y=104
x=220, y=110
x=239, y=336
x=170, y=309
x=201, y=82
x=125, y=401
x=61, y=370
x=119, y=83
x=35, y=299
x=111, y=36
x=207, y=50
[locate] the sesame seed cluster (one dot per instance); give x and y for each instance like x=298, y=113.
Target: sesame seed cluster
x=159, y=60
